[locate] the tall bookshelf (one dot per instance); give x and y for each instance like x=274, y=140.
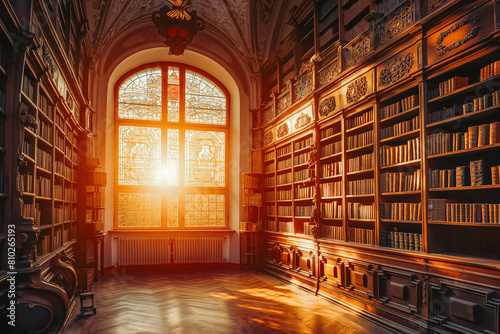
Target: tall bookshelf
x=462, y=154
x=288, y=190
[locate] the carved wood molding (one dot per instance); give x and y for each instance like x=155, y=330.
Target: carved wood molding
x=357, y=51
x=327, y=106
x=396, y=22
x=441, y=50
x=328, y=73
x=283, y=130
x=356, y=90
x=397, y=69
x=302, y=120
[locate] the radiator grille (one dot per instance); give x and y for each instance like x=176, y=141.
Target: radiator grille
x=160, y=250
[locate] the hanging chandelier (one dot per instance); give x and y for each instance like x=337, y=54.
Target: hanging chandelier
x=177, y=25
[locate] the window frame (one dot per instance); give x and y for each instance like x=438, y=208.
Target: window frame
x=182, y=126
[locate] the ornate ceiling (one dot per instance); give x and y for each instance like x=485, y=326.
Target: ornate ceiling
x=245, y=25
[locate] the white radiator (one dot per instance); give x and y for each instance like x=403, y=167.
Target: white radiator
x=143, y=251
x=159, y=250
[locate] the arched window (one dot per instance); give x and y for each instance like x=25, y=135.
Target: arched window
x=172, y=135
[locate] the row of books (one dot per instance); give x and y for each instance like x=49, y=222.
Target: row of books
x=96, y=199
x=43, y=246
x=301, y=175
x=330, y=149
x=44, y=130
x=449, y=86
x=331, y=232
x=43, y=159
x=2, y=98
x=495, y=174
x=28, y=210
x=300, y=159
x=58, y=191
x=283, y=150
x=444, y=210
x=284, y=195
x=472, y=213
x=331, y=209
x=303, y=211
x=25, y=182
x=400, y=128
x=59, y=142
x=249, y=197
x=331, y=169
x=361, y=187
x=308, y=228
x=360, y=211
x=271, y=210
x=328, y=132
x=43, y=186
x=460, y=176
x=250, y=181
x=271, y=225
x=364, y=118
x=490, y=70
x=28, y=87
x=59, y=120
x=269, y=168
x=284, y=178
x=361, y=235
x=304, y=192
x=398, y=107
x=285, y=211
x=28, y=148
x=331, y=189
x=269, y=156
x=45, y=106
x=390, y=155
x=285, y=227
x=303, y=143
x=400, y=182
x=59, y=167
x=282, y=164
x=70, y=194
x=476, y=136
x=402, y=240
x=362, y=162
x=401, y=211
x=362, y=139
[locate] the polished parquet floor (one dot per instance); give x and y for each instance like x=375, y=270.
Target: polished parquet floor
x=213, y=300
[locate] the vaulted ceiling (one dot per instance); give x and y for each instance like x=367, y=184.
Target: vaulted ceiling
x=243, y=24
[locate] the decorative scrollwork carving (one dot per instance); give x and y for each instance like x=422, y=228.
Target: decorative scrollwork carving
x=284, y=102
x=432, y=5
x=399, y=21
x=268, y=138
x=397, y=68
x=302, y=120
x=327, y=105
x=441, y=50
x=283, y=130
x=304, y=84
x=357, y=51
x=356, y=90
x=328, y=73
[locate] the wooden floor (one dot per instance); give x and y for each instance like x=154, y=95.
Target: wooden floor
x=214, y=300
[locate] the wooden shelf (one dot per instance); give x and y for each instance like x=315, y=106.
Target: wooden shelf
x=467, y=89
x=401, y=164
x=361, y=148
x=401, y=137
x=398, y=117
x=401, y=221
x=466, y=117
x=486, y=186
x=365, y=126
x=361, y=172
x=416, y=192
x=464, y=224
x=335, y=155
x=465, y=152
x=335, y=136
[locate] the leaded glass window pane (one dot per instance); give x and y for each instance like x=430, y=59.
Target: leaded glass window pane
x=171, y=172
x=205, y=101
x=204, y=210
x=172, y=210
x=139, y=155
x=139, y=96
x=205, y=158
x=139, y=209
x=173, y=94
